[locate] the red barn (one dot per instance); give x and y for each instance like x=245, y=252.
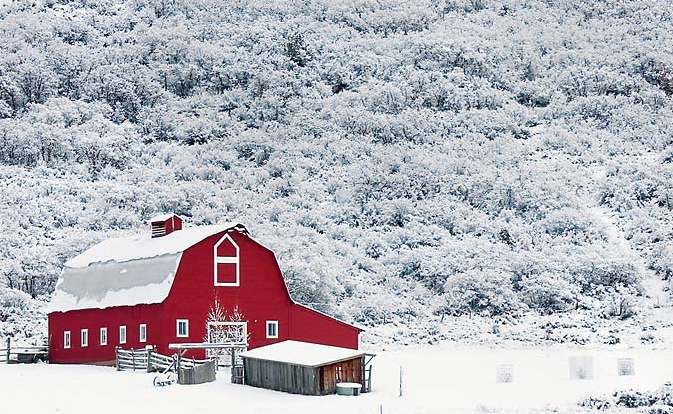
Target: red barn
x=158, y=288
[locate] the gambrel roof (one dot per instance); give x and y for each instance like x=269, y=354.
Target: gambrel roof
x=127, y=271
x=124, y=249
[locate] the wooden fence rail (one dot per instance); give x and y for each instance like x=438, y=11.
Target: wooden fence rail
x=150, y=360
x=25, y=354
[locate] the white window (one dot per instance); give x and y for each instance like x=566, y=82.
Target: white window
x=122, y=334
x=272, y=329
x=182, y=328
x=66, y=340
x=102, y=338
x=84, y=338
x=226, y=266
x=143, y=332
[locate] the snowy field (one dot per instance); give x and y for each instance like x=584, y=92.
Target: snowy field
x=440, y=379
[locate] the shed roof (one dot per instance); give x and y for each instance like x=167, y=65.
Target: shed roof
x=303, y=353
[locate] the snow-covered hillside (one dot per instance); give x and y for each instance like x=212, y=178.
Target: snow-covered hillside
x=508, y=163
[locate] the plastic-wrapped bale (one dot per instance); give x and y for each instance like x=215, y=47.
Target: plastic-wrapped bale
x=348, y=388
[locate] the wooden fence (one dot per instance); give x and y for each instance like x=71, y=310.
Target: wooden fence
x=23, y=354
x=198, y=374
x=149, y=360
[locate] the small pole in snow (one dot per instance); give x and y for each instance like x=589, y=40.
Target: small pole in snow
x=381, y=409
x=401, y=380
x=9, y=348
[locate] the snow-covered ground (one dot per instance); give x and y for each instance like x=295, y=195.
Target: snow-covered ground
x=438, y=379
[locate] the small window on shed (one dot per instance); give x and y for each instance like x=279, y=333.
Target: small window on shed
x=226, y=266
x=66, y=339
x=122, y=334
x=272, y=329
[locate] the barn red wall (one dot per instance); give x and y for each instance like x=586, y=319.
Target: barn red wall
x=93, y=320
x=308, y=325
x=261, y=296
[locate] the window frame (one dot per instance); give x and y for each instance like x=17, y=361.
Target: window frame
x=84, y=338
x=122, y=328
x=102, y=339
x=177, y=328
x=227, y=260
x=272, y=323
x=67, y=339
x=142, y=332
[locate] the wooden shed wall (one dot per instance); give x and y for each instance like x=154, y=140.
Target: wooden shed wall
x=280, y=376
x=344, y=371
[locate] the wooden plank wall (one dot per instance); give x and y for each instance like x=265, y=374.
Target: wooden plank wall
x=344, y=371
x=279, y=376
x=297, y=379
x=198, y=374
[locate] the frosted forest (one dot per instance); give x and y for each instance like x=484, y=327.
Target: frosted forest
x=478, y=170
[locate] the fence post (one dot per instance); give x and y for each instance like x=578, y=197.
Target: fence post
x=9, y=349
x=149, y=358
x=400, y=380
x=133, y=359
x=117, y=358
x=233, y=363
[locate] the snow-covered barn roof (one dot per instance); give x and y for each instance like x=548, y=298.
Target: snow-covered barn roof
x=127, y=271
x=124, y=249
x=303, y=353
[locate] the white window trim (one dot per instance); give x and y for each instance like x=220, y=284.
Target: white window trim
x=177, y=328
x=142, y=332
x=66, y=339
x=102, y=339
x=84, y=338
x=122, y=328
x=227, y=259
x=269, y=323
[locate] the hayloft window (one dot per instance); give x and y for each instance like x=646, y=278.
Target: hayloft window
x=66, y=340
x=182, y=328
x=122, y=334
x=226, y=266
x=271, y=329
x=142, y=335
x=102, y=336
x=84, y=338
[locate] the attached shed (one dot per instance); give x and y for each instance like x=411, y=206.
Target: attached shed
x=305, y=368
